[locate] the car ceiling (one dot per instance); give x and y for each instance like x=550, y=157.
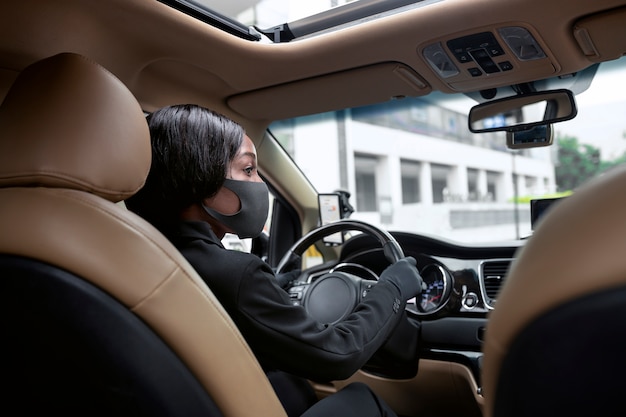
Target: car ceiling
x=166, y=57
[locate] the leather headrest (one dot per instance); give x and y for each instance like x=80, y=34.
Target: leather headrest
x=69, y=123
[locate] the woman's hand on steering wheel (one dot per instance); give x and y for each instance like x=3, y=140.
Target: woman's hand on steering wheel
x=404, y=275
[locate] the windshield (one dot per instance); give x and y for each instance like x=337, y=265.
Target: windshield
x=413, y=165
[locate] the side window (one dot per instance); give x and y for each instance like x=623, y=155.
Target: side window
x=365, y=179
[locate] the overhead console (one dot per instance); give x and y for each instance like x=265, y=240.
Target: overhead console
x=464, y=62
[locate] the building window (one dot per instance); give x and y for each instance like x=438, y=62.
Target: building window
x=472, y=185
x=410, y=182
x=441, y=190
x=365, y=178
x=493, y=178
x=532, y=186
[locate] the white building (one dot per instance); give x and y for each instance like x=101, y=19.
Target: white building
x=449, y=183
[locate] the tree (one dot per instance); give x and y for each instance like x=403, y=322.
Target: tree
x=577, y=163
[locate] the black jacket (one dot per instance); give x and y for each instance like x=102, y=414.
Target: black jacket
x=282, y=335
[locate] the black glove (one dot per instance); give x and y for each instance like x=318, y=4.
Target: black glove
x=286, y=279
x=404, y=275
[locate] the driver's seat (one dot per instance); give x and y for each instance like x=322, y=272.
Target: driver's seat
x=100, y=314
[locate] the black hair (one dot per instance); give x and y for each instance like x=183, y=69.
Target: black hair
x=192, y=148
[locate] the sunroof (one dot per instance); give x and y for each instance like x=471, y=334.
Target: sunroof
x=286, y=20
x=270, y=13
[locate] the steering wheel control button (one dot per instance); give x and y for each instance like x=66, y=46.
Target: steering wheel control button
x=366, y=287
x=296, y=293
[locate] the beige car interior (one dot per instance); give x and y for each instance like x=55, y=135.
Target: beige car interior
x=74, y=142
x=558, y=329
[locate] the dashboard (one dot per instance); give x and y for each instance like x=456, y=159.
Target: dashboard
x=462, y=280
x=445, y=322
x=461, y=286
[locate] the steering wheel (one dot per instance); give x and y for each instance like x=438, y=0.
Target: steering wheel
x=334, y=295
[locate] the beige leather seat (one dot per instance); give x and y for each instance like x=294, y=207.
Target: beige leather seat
x=100, y=313
x=556, y=340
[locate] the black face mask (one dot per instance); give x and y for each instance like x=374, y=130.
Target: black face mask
x=250, y=219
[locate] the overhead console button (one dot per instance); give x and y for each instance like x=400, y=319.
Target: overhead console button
x=482, y=58
x=486, y=41
x=505, y=66
x=475, y=72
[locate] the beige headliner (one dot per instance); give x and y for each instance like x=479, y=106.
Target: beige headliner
x=166, y=57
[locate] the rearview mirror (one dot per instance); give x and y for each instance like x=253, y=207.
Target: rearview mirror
x=523, y=112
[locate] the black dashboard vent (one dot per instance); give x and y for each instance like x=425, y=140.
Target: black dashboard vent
x=492, y=275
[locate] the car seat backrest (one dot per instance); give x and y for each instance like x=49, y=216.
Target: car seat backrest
x=555, y=341
x=73, y=142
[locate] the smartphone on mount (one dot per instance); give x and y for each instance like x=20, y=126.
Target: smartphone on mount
x=330, y=211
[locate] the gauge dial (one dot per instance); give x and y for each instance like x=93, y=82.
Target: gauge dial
x=435, y=289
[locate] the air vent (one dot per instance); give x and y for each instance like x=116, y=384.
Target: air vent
x=492, y=275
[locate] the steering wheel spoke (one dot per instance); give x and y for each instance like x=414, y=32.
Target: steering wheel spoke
x=331, y=297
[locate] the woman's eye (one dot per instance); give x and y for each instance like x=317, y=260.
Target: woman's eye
x=249, y=170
